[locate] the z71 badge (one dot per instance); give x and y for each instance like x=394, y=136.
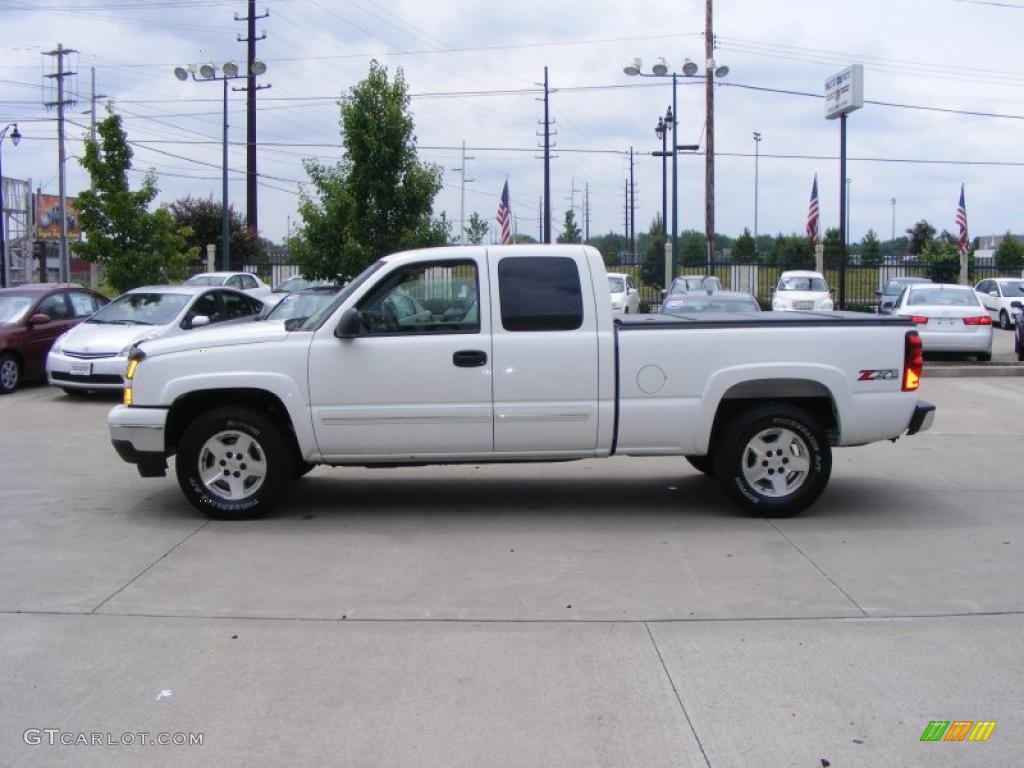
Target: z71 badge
x=883, y=374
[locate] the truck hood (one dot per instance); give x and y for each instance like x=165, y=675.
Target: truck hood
x=206, y=338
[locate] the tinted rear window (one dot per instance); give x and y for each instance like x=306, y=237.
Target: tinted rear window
x=540, y=294
x=936, y=297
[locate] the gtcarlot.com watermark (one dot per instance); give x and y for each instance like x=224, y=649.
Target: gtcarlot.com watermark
x=55, y=736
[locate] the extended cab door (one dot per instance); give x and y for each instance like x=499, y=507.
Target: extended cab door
x=545, y=352
x=417, y=382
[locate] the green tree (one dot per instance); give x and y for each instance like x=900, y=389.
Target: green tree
x=744, y=250
x=871, y=250
x=570, y=231
x=941, y=260
x=792, y=252
x=379, y=199
x=134, y=245
x=522, y=238
x=477, y=229
x=691, y=249
x=832, y=245
x=1010, y=254
x=921, y=234
x=203, y=218
x=652, y=268
x=612, y=248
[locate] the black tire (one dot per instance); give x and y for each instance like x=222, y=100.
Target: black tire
x=703, y=464
x=1004, y=320
x=79, y=393
x=804, y=443
x=257, y=454
x=985, y=357
x=1020, y=351
x=10, y=373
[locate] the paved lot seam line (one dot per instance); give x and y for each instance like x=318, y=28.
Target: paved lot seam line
x=148, y=567
x=818, y=568
x=679, y=698
x=881, y=617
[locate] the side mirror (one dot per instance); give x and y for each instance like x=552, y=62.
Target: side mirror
x=199, y=321
x=350, y=326
x=878, y=294
x=1017, y=305
x=38, y=319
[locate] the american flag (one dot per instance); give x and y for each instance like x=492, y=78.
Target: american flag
x=504, y=214
x=812, y=213
x=961, y=221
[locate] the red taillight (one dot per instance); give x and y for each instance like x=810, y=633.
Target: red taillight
x=920, y=320
x=983, y=320
x=913, y=361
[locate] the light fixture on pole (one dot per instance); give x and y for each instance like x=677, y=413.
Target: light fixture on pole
x=757, y=144
x=663, y=69
x=15, y=138
x=207, y=72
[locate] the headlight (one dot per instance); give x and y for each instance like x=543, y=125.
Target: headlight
x=827, y=304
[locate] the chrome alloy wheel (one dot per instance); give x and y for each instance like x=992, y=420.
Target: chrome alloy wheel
x=776, y=462
x=232, y=465
x=8, y=373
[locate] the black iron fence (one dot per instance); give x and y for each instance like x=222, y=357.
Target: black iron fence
x=862, y=282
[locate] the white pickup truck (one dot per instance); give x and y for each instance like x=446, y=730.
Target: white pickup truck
x=510, y=353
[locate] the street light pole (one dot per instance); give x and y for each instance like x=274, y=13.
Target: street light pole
x=661, y=69
x=15, y=138
x=757, y=144
x=662, y=133
x=893, y=203
x=208, y=73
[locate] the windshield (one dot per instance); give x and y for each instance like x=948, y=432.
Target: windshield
x=1013, y=288
x=942, y=297
x=13, y=307
x=300, y=305
x=704, y=303
x=142, y=309
x=206, y=280
x=803, y=284
x=293, y=284
x=318, y=318
x=616, y=284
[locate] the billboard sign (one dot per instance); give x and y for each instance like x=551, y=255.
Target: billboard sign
x=48, y=217
x=844, y=92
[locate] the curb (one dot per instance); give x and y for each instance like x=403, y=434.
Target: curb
x=980, y=370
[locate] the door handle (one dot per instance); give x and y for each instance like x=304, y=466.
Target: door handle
x=469, y=358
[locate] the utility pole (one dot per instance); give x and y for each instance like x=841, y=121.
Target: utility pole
x=251, y=176
x=60, y=53
x=572, y=196
x=632, y=206
x=709, y=158
x=540, y=219
x=757, y=145
x=586, y=213
x=462, y=188
x=546, y=238
x=94, y=277
x=625, y=211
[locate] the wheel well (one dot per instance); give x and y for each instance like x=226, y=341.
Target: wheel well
x=811, y=396
x=187, y=407
x=14, y=353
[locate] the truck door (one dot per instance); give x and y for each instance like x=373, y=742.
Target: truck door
x=545, y=353
x=417, y=381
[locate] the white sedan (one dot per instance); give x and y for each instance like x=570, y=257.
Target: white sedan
x=1002, y=297
x=94, y=354
x=949, y=318
x=801, y=289
x=625, y=298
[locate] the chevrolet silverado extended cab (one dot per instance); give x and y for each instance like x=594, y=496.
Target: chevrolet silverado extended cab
x=510, y=353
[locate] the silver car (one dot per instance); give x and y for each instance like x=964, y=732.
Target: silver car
x=94, y=354
x=949, y=318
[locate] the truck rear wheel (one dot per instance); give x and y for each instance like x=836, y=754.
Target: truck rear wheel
x=773, y=459
x=233, y=463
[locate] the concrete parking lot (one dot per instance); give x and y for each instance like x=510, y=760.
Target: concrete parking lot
x=598, y=613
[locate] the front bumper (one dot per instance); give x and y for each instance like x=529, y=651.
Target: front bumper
x=924, y=415
x=104, y=372
x=138, y=437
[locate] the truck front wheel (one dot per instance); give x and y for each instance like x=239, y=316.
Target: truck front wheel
x=233, y=463
x=773, y=459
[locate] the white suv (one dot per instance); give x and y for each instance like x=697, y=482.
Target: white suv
x=801, y=289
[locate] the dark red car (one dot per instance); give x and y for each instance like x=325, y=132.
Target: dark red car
x=31, y=317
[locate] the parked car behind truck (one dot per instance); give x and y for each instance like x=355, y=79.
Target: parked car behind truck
x=535, y=369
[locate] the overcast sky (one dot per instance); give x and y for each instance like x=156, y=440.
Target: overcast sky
x=946, y=54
